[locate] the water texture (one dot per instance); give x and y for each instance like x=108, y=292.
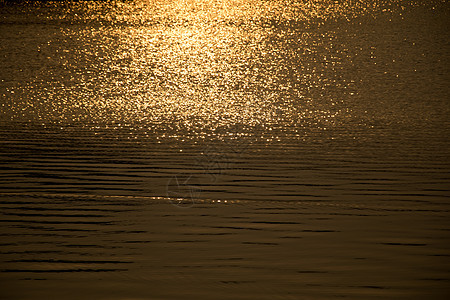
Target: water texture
x=241, y=149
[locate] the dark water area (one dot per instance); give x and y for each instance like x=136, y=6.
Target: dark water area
x=224, y=150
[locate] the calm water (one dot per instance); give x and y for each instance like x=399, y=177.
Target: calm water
x=240, y=149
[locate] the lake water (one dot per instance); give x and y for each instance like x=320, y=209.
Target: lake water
x=242, y=149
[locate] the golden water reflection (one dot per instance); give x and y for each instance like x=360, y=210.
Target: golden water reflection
x=294, y=127
x=195, y=66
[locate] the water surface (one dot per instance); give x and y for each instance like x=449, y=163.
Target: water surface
x=227, y=150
